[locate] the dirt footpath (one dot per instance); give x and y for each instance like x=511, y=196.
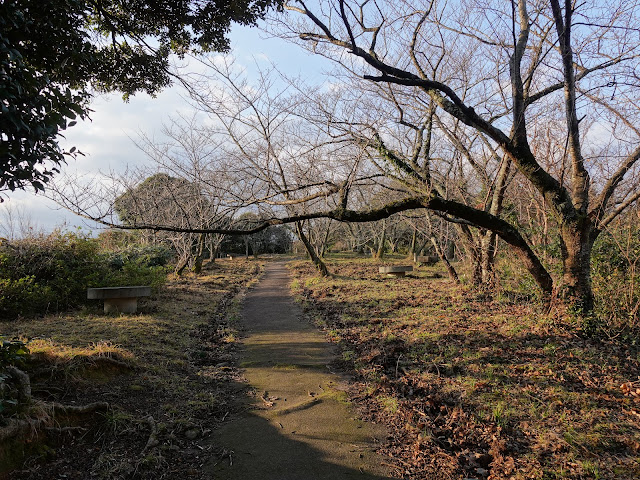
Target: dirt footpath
x=300, y=426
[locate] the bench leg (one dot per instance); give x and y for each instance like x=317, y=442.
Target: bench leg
x=121, y=305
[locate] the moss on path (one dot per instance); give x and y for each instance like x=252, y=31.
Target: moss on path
x=300, y=426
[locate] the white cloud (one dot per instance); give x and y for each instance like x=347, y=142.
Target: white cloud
x=262, y=57
x=40, y=214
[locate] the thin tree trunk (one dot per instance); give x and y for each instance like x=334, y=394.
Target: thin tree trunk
x=379, y=255
x=472, y=251
x=317, y=261
x=325, y=240
x=489, y=240
x=453, y=275
x=412, y=249
x=197, y=265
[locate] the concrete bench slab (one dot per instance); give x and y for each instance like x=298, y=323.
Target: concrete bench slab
x=119, y=299
x=396, y=270
x=427, y=260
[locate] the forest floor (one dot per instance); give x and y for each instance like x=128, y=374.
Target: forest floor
x=168, y=373
x=468, y=388
x=477, y=388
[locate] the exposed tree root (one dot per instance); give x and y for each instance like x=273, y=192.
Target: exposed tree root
x=22, y=382
x=20, y=428
x=153, y=436
x=43, y=415
x=58, y=409
x=19, y=436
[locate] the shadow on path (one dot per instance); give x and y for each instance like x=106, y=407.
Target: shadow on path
x=299, y=426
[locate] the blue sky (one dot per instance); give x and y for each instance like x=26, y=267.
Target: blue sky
x=107, y=138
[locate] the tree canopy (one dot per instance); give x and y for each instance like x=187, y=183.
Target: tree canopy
x=54, y=54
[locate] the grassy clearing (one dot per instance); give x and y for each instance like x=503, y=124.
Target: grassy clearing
x=168, y=374
x=475, y=389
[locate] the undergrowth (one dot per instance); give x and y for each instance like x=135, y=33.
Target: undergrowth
x=167, y=373
x=478, y=388
x=51, y=273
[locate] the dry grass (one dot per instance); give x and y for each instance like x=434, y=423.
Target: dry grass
x=477, y=389
x=47, y=351
x=165, y=371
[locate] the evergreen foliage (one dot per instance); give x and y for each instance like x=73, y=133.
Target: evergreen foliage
x=55, y=53
x=52, y=273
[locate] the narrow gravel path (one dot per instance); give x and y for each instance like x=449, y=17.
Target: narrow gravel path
x=300, y=427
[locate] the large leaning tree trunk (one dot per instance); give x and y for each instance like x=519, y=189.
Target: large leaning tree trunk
x=576, y=244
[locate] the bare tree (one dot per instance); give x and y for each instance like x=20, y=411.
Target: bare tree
x=289, y=165
x=16, y=222
x=187, y=185
x=579, y=59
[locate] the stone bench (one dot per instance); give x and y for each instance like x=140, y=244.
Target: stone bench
x=119, y=299
x=427, y=260
x=396, y=270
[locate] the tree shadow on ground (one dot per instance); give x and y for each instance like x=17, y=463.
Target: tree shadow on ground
x=266, y=453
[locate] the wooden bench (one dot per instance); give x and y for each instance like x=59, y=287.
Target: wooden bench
x=119, y=299
x=396, y=270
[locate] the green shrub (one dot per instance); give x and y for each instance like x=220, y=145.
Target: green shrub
x=46, y=273
x=616, y=282
x=135, y=274
x=144, y=256
x=12, y=353
x=51, y=273
x=137, y=265
x=24, y=296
